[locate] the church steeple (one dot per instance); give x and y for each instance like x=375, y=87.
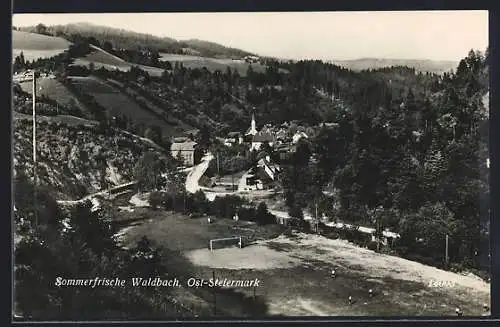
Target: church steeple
x=253, y=128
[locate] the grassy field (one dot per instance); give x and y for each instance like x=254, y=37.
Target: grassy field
x=294, y=271
x=212, y=64
x=151, y=106
x=178, y=232
x=52, y=89
x=36, y=46
x=118, y=103
x=101, y=58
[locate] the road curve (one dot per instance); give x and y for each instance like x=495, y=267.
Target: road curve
x=195, y=174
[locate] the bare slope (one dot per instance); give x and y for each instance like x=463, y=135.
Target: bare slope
x=36, y=46
x=53, y=89
x=100, y=58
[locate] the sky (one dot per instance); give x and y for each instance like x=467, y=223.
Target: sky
x=435, y=35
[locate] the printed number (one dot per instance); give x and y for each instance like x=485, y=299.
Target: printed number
x=440, y=283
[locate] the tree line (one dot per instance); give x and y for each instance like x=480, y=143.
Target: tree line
x=414, y=162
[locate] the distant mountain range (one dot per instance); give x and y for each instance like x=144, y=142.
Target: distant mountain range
x=433, y=66
x=128, y=39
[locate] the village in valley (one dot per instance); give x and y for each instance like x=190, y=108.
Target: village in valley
x=339, y=187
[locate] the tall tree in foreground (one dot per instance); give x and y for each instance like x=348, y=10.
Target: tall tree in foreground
x=148, y=172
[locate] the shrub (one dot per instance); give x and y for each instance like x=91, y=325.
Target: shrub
x=372, y=246
x=263, y=216
x=155, y=199
x=247, y=213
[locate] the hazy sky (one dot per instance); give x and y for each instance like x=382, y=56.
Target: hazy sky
x=437, y=35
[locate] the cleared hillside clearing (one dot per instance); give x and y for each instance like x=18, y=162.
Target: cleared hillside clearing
x=52, y=89
x=32, y=41
x=117, y=103
x=212, y=64
x=101, y=58
x=35, y=46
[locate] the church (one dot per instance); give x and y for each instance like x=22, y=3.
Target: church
x=256, y=138
x=252, y=131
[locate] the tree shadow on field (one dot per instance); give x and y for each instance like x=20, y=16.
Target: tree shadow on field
x=228, y=302
x=281, y=247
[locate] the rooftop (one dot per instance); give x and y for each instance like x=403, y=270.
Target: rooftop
x=183, y=146
x=263, y=137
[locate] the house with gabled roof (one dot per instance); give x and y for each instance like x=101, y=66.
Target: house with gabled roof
x=188, y=151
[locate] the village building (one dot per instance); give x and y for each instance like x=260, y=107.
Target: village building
x=187, y=151
x=233, y=138
x=330, y=125
x=267, y=170
x=285, y=152
x=281, y=136
x=298, y=135
x=261, y=138
x=251, y=59
x=261, y=176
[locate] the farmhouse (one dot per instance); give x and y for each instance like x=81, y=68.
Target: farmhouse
x=187, y=151
x=251, y=59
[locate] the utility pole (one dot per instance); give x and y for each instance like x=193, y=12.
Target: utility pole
x=218, y=171
x=316, y=213
x=35, y=176
x=215, y=297
x=446, y=253
x=379, y=233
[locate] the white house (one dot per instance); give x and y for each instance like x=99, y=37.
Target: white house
x=270, y=169
x=233, y=138
x=297, y=136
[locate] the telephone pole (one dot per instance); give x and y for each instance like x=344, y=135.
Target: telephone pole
x=218, y=171
x=379, y=234
x=215, y=297
x=316, y=213
x=35, y=176
x=446, y=253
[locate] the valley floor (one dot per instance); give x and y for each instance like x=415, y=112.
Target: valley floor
x=294, y=271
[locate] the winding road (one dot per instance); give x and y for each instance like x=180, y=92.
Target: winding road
x=193, y=177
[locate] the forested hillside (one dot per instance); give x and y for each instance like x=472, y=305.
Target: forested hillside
x=124, y=39
x=409, y=155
